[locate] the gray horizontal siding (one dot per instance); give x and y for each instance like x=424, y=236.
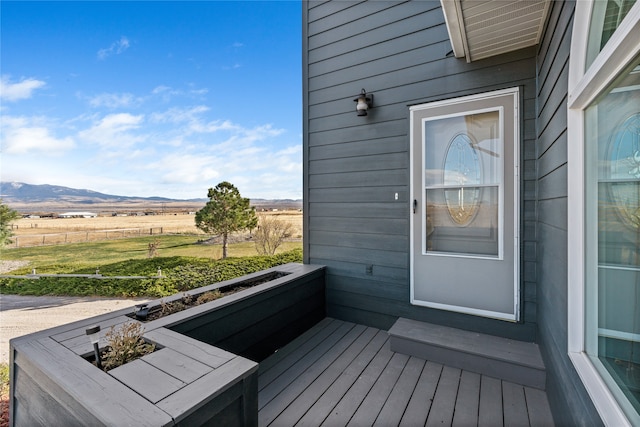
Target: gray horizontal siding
x=570, y=403
x=354, y=166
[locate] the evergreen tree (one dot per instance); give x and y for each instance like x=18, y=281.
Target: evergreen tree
x=225, y=212
x=7, y=216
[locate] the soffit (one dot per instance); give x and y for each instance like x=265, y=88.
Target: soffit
x=482, y=28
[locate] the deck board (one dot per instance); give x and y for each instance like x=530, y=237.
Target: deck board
x=445, y=399
x=396, y=404
x=350, y=402
x=299, y=406
x=340, y=373
x=468, y=400
x=420, y=404
x=370, y=408
x=320, y=410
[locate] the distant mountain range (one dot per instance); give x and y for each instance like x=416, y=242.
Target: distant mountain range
x=21, y=194
x=19, y=191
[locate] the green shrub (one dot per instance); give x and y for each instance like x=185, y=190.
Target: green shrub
x=4, y=379
x=179, y=274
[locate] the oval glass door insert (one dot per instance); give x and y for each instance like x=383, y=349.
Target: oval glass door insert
x=462, y=175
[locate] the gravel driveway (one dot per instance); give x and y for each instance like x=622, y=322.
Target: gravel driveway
x=21, y=315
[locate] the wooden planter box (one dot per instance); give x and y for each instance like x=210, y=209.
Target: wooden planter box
x=204, y=370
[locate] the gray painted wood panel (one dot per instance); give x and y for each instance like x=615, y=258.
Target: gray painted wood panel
x=363, y=241
x=569, y=400
x=147, y=380
x=352, y=400
x=367, y=194
x=379, y=393
x=354, y=165
x=420, y=403
x=511, y=360
x=108, y=394
x=306, y=373
x=321, y=409
x=468, y=400
x=394, y=407
x=300, y=405
x=390, y=226
x=445, y=398
x=515, y=407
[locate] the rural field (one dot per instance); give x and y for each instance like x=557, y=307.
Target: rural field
x=28, y=232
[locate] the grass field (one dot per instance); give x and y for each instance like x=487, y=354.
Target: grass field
x=70, y=257
x=56, y=231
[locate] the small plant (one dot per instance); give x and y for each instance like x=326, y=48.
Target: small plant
x=4, y=380
x=153, y=249
x=209, y=296
x=125, y=343
x=167, y=308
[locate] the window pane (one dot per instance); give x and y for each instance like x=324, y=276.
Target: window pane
x=463, y=150
x=476, y=207
x=612, y=148
x=463, y=174
x=605, y=19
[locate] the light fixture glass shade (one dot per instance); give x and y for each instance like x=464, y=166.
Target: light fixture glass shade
x=94, y=334
x=364, y=102
x=362, y=106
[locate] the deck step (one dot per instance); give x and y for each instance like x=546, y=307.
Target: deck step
x=514, y=361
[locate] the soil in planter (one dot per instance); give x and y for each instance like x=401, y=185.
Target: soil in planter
x=147, y=314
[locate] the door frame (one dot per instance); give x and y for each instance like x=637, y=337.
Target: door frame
x=515, y=93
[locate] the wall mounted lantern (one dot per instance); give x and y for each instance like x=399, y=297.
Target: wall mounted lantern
x=364, y=103
x=94, y=337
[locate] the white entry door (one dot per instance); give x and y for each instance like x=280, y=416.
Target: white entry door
x=465, y=206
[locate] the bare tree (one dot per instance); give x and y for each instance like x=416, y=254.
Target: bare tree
x=270, y=234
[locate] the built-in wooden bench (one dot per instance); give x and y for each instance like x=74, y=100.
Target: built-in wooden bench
x=514, y=361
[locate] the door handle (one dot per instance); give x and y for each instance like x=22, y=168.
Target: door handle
x=415, y=205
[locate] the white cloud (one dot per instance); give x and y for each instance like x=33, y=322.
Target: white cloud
x=167, y=92
x=179, y=115
x=10, y=91
x=22, y=135
x=114, y=130
x=116, y=48
x=114, y=100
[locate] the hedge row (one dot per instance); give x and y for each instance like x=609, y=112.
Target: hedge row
x=179, y=274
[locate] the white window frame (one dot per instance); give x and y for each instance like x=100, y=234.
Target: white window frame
x=584, y=88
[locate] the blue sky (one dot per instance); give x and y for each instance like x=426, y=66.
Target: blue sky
x=153, y=98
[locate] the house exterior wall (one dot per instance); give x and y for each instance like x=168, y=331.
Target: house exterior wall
x=354, y=166
x=564, y=387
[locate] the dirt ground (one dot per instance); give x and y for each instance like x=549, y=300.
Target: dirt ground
x=22, y=315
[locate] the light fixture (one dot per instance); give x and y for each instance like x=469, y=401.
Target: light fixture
x=94, y=336
x=364, y=103
x=142, y=310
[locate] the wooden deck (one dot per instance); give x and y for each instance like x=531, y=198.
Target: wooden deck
x=340, y=373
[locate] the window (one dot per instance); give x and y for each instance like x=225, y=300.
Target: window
x=463, y=175
x=604, y=206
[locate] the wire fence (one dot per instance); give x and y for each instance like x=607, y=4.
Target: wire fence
x=31, y=240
